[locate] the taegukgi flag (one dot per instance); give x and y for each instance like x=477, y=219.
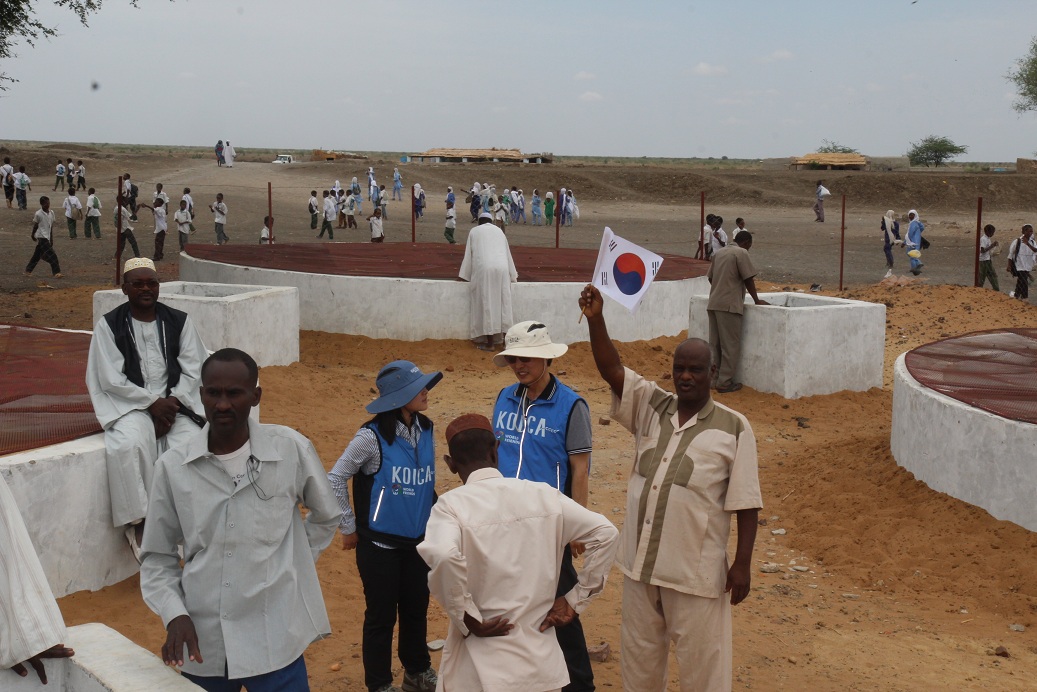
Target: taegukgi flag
x=624, y=271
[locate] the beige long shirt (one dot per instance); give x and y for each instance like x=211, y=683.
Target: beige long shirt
x=685, y=482
x=494, y=547
x=249, y=582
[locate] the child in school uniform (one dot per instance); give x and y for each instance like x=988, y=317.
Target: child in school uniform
x=451, y=223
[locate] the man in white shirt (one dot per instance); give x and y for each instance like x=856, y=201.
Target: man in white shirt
x=42, y=228
x=329, y=216
x=246, y=602
x=182, y=218
x=219, y=210
x=1023, y=254
x=93, y=214
x=986, y=264
x=717, y=236
x=22, y=187
x=190, y=201
x=73, y=209
x=161, y=226
x=314, y=207
x=7, y=178
x=142, y=373
x=494, y=548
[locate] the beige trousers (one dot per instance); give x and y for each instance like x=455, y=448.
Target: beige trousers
x=700, y=629
x=725, y=340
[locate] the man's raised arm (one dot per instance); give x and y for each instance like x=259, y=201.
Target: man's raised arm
x=606, y=357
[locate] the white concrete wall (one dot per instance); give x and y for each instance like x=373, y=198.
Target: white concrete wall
x=416, y=309
x=802, y=345
x=62, y=494
x=105, y=661
x=958, y=449
x=263, y=321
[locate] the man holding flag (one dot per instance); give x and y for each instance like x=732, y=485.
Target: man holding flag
x=694, y=466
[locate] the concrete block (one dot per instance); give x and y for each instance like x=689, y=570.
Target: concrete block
x=105, y=661
x=802, y=345
x=62, y=494
x=958, y=449
x=263, y=321
x=417, y=309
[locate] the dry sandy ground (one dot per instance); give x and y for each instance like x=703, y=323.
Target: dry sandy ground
x=906, y=588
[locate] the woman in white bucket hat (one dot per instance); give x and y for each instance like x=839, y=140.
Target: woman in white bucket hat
x=544, y=428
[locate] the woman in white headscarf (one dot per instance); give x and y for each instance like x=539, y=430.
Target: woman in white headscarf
x=913, y=243
x=372, y=185
x=475, y=201
x=397, y=184
x=891, y=236
x=419, y=202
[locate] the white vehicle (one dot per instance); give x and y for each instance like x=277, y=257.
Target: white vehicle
x=284, y=158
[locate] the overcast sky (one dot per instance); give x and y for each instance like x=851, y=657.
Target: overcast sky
x=742, y=78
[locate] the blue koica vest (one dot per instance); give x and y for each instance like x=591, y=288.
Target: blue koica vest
x=393, y=505
x=532, y=447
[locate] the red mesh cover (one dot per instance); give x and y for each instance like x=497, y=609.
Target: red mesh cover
x=995, y=371
x=422, y=260
x=43, y=397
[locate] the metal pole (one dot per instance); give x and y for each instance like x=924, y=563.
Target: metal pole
x=270, y=208
x=979, y=229
x=558, y=221
x=842, y=244
x=118, y=232
x=413, y=215
x=701, y=253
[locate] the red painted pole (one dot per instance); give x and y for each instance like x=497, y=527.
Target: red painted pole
x=118, y=233
x=979, y=229
x=701, y=253
x=558, y=221
x=842, y=244
x=270, y=208
x=413, y=217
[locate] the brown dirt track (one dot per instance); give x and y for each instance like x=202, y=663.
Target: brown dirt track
x=937, y=582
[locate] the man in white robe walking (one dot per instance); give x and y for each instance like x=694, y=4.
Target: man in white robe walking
x=143, y=374
x=228, y=155
x=489, y=267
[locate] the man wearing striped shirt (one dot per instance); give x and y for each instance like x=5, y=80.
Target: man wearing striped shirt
x=694, y=466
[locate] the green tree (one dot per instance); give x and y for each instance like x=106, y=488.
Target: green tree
x=934, y=151
x=830, y=147
x=18, y=21
x=1024, y=76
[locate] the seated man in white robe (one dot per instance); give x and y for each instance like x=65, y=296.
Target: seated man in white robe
x=143, y=374
x=489, y=267
x=31, y=628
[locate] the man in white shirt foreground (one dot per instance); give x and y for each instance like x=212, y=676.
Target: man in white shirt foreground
x=494, y=547
x=246, y=602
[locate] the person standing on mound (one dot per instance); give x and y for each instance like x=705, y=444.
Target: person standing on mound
x=489, y=267
x=730, y=276
x=819, y=201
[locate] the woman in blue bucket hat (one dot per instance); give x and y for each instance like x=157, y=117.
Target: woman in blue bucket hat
x=392, y=461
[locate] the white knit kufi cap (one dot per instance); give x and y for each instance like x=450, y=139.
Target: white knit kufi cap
x=138, y=263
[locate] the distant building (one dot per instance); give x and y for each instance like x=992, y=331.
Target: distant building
x=479, y=156
x=838, y=162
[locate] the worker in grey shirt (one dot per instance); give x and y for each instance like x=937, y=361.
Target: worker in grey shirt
x=246, y=602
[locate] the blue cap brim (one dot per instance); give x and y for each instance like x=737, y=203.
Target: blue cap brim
x=401, y=397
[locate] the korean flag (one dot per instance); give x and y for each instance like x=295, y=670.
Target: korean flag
x=624, y=271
